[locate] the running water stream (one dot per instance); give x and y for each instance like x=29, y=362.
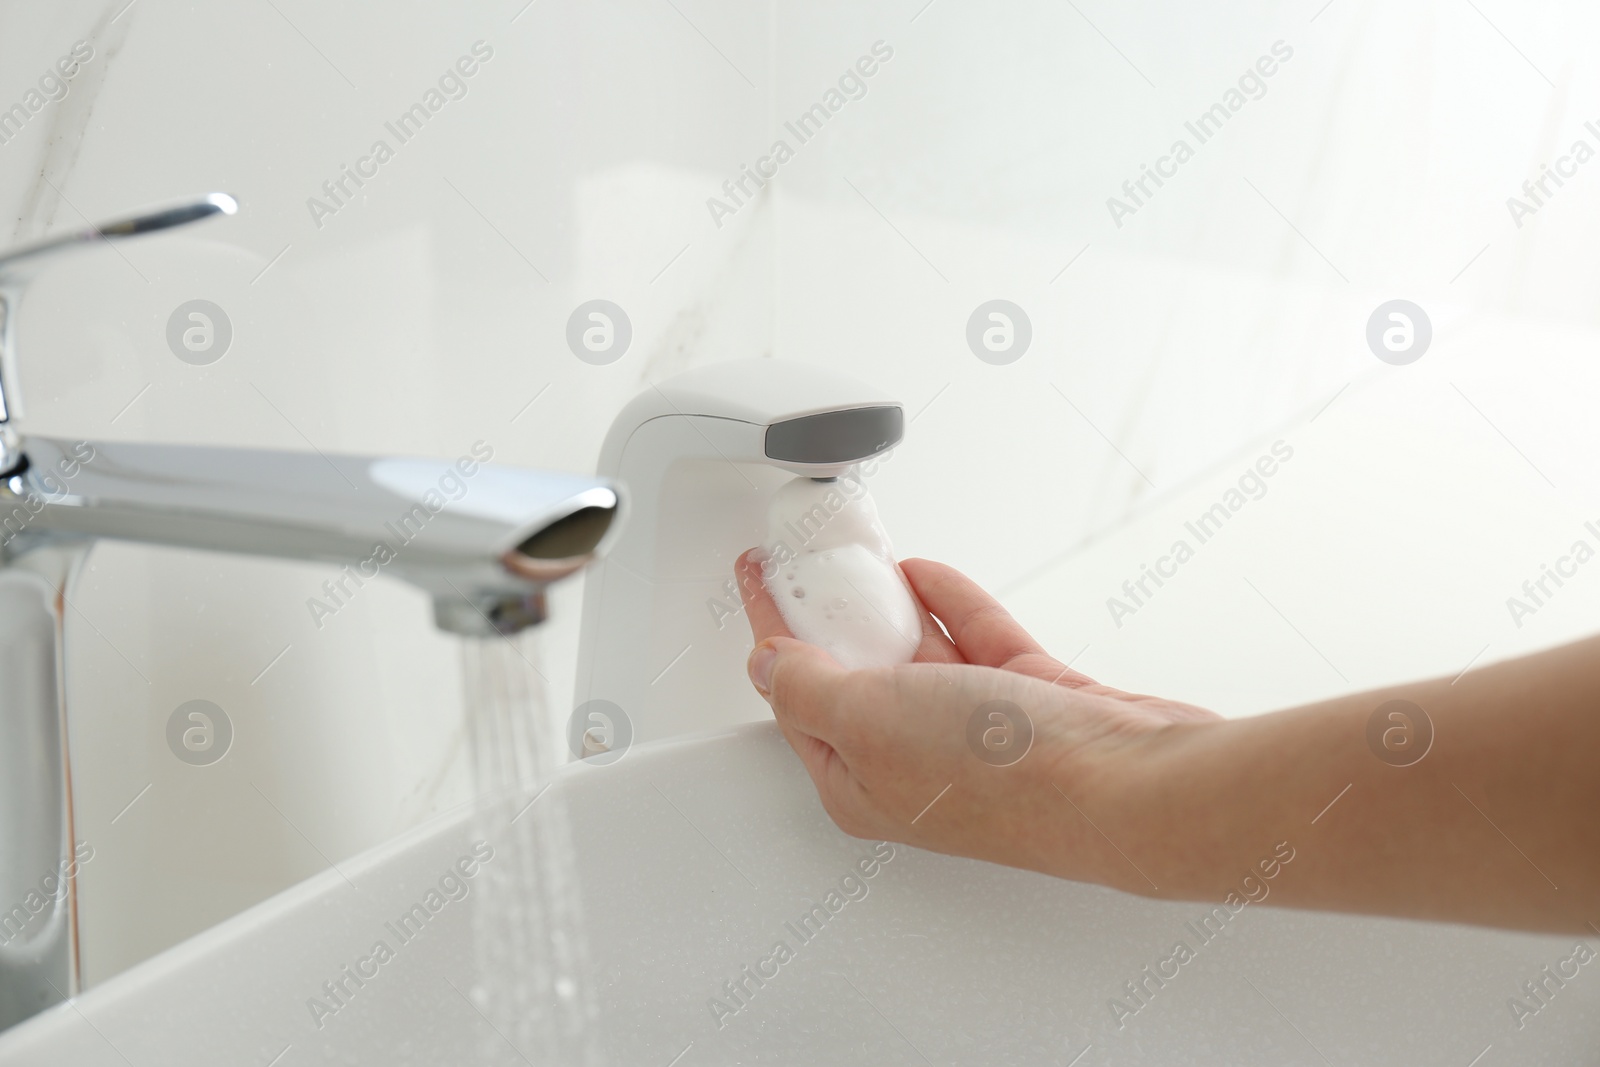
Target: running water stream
x=531, y=978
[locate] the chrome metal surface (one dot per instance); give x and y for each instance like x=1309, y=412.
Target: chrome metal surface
x=24, y=260
x=19, y=265
x=457, y=530
x=36, y=936
x=483, y=541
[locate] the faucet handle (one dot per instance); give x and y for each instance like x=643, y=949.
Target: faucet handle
x=19, y=266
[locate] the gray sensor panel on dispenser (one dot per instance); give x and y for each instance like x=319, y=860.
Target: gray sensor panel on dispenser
x=836, y=436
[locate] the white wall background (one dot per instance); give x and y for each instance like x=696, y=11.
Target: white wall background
x=1226, y=314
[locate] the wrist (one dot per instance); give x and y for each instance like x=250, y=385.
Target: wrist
x=1129, y=813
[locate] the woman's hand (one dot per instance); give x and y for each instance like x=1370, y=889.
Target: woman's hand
x=983, y=746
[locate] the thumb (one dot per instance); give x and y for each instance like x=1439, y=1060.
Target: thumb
x=800, y=681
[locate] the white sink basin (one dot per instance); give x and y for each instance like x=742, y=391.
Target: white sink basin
x=695, y=857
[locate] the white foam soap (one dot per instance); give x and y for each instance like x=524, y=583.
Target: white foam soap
x=831, y=570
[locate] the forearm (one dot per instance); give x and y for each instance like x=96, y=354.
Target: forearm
x=1498, y=823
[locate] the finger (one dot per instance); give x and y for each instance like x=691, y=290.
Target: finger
x=803, y=685
x=935, y=646
x=983, y=631
x=842, y=795
x=815, y=755
x=1049, y=669
x=830, y=774
x=765, y=621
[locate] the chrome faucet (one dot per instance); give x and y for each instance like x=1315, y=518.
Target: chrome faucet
x=485, y=560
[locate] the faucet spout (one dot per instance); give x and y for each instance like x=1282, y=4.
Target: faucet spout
x=484, y=541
